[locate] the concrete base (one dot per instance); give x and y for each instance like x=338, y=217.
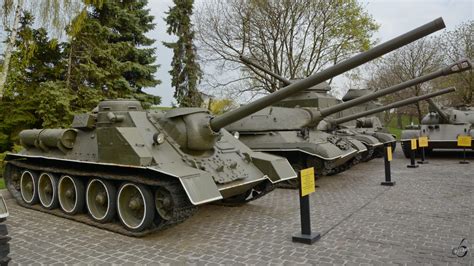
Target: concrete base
x=389, y=184
x=464, y=162
x=413, y=166
x=306, y=239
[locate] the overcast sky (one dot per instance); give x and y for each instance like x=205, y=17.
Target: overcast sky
x=394, y=16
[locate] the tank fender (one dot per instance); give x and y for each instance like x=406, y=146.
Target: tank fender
x=356, y=144
x=409, y=134
x=199, y=185
x=277, y=168
x=384, y=137
x=367, y=139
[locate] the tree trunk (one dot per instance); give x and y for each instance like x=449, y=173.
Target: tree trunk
x=9, y=48
x=399, y=119
x=419, y=112
x=69, y=65
x=387, y=117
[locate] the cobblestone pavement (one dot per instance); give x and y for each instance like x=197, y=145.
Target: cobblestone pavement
x=419, y=220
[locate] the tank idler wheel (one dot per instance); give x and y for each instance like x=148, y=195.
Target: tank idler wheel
x=71, y=194
x=48, y=190
x=29, y=187
x=136, y=208
x=164, y=203
x=101, y=200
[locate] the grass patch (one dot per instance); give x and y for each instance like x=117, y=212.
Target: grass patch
x=2, y=183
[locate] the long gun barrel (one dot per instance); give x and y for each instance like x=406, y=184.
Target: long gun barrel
x=259, y=67
x=457, y=67
x=393, y=105
x=433, y=105
x=237, y=114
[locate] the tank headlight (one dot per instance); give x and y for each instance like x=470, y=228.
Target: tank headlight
x=236, y=135
x=158, y=138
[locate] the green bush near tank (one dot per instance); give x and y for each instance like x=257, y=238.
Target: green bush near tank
x=16, y=148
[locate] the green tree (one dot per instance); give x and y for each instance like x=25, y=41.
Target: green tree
x=185, y=71
x=53, y=14
x=109, y=57
x=34, y=96
x=457, y=44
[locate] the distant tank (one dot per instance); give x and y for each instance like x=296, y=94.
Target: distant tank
x=147, y=170
x=371, y=125
x=442, y=126
x=317, y=96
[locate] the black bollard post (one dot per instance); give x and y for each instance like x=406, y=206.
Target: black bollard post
x=412, y=155
x=423, y=142
x=464, y=141
x=387, y=158
x=306, y=187
x=464, y=157
x=423, y=160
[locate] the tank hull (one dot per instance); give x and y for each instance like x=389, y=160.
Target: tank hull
x=440, y=136
x=127, y=173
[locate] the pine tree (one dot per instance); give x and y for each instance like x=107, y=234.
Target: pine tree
x=185, y=71
x=107, y=57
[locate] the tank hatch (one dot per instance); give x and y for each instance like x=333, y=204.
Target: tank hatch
x=120, y=105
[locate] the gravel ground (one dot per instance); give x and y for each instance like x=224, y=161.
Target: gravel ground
x=419, y=220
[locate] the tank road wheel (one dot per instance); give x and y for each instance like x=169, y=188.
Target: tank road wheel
x=135, y=206
x=71, y=194
x=48, y=190
x=100, y=200
x=164, y=203
x=28, y=187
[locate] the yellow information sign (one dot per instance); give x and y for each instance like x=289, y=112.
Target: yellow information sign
x=413, y=144
x=307, y=181
x=423, y=142
x=464, y=141
x=389, y=153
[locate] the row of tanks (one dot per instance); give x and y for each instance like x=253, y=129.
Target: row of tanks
x=362, y=130
x=135, y=171
x=310, y=129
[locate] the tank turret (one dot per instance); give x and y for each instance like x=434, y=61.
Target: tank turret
x=444, y=117
x=147, y=170
x=442, y=126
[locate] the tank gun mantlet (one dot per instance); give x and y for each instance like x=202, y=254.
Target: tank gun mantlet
x=190, y=128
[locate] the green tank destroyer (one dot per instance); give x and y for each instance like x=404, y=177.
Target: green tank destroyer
x=134, y=171
x=442, y=126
